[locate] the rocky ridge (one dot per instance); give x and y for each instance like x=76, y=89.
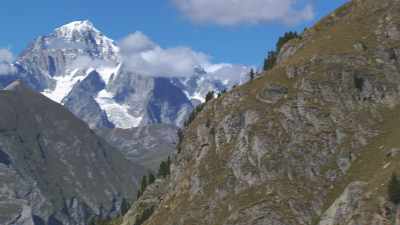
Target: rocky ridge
x=313, y=141
x=53, y=169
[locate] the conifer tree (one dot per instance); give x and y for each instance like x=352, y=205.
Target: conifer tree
x=251, y=74
x=270, y=61
x=284, y=39
x=209, y=96
x=141, y=218
x=165, y=168
x=152, y=178
x=125, y=206
x=169, y=166
x=162, y=171
x=394, y=190
x=143, y=186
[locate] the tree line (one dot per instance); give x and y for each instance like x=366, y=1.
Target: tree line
x=164, y=170
x=270, y=60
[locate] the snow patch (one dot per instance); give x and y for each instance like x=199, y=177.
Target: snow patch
x=107, y=72
x=117, y=113
x=64, y=85
x=195, y=96
x=69, y=31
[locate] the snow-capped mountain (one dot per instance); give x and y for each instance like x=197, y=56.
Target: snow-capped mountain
x=81, y=68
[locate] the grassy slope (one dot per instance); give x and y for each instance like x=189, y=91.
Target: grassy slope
x=333, y=36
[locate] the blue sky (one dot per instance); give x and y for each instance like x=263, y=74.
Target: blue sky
x=164, y=21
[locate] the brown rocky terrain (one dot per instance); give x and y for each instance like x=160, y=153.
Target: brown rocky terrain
x=313, y=141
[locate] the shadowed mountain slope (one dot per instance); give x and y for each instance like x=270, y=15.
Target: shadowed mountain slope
x=53, y=168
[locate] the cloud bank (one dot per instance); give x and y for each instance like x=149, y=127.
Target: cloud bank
x=233, y=12
x=142, y=56
x=88, y=62
x=6, y=59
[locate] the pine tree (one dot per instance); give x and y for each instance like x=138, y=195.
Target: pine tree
x=169, y=166
x=141, y=218
x=162, y=171
x=152, y=178
x=125, y=206
x=394, y=190
x=284, y=39
x=165, y=168
x=194, y=113
x=251, y=74
x=209, y=96
x=144, y=183
x=143, y=186
x=270, y=61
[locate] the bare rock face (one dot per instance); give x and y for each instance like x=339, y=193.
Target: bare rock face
x=147, y=145
x=307, y=143
x=344, y=207
x=53, y=168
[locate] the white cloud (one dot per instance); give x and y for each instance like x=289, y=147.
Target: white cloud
x=6, y=55
x=233, y=12
x=87, y=62
x=229, y=74
x=142, y=56
x=7, y=69
x=6, y=59
x=136, y=42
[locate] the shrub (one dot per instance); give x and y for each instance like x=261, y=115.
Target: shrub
x=145, y=216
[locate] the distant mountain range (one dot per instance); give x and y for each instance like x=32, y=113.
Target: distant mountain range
x=81, y=68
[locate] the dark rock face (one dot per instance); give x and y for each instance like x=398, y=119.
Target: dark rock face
x=168, y=104
x=54, y=169
x=81, y=101
x=4, y=158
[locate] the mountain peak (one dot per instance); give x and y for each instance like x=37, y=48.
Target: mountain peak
x=80, y=27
